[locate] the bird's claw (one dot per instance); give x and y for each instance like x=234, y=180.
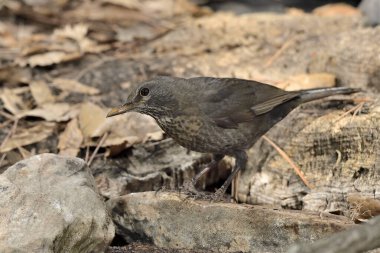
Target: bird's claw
x=218, y=195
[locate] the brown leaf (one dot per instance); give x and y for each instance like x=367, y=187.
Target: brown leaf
x=129, y=129
x=130, y=4
x=71, y=139
x=363, y=207
x=341, y=9
x=92, y=120
x=74, y=86
x=12, y=102
x=308, y=81
x=41, y=92
x=52, y=112
x=24, y=137
x=44, y=59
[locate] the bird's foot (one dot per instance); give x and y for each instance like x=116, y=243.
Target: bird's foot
x=161, y=189
x=188, y=187
x=219, y=195
x=191, y=192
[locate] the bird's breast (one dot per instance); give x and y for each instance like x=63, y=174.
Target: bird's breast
x=195, y=134
x=180, y=125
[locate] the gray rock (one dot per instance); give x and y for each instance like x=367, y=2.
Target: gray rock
x=371, y=10
x=150, y=166
x=172, y=222
x=49, y=203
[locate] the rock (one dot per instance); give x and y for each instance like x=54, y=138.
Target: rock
x=173, y=222
x=48, y=203
x=150, y=166
x=371, y=10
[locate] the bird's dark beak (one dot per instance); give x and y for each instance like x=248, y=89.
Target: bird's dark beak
x=121, y=109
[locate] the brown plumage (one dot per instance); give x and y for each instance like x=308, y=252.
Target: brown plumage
x=222, y=116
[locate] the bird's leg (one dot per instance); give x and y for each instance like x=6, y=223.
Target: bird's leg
x=189, y=186
x=214, y=162
x=240, y=164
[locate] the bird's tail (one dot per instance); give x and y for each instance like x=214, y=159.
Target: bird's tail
x=313, y=94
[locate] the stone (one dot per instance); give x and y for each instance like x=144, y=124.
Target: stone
x=173, y=222
x=49, y=203
x=151, y=166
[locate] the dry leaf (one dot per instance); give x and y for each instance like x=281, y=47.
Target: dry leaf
x=24, y=137
x=341, y=9
x=74, y=86
x=24, y=152
x=52, y=112
x=65, y=44
x=308, y=81
x=154, y=136
x=363, y=207
x=41, y=93
x=44, y=59
x=12, y=102
x=92, y=119
x=76, y=32
x=130, y=4
x=71, y=139
x=129, y=129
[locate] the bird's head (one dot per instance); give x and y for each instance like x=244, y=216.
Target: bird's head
x=154, y=97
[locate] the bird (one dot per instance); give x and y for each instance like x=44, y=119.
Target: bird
x=221, y=116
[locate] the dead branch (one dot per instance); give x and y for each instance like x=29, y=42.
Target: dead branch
x=360, y=238
x=287, y=158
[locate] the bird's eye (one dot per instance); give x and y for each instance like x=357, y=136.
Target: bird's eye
x=144, y=92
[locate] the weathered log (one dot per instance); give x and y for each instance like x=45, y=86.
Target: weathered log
x=358, y=239
x=338, y=155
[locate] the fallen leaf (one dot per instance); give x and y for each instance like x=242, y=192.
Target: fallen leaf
x=12, y=102
x=130, y=4
x=308, y=81
x=74, y=86
x=41, y=92
x=24, y=152
x=44, y=59
x=24, y=137
x=154, y=136
x=52, y=112
x=338, y=9
x=363, y=207
x=92, y=120
x=129, y=129
x=70, y=139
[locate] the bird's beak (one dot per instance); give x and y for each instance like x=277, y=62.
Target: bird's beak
x=121, y=109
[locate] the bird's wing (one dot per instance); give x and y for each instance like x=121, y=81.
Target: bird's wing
x=229, y=101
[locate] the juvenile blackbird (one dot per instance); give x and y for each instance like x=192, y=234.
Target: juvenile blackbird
x=222, y=116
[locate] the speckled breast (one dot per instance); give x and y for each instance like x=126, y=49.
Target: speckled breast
x=193, y=133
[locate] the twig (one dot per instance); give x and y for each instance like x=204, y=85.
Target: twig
x=287, y=158
x=354, y=109
x=4, y=124
x=279, y=52
x=87, y=153
x=91, y=67
x=235, y=186
x=104, y=137
x=7, y=115
x=338, y=160
x=10, y=133
x=360, y=106
x=2, y=159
